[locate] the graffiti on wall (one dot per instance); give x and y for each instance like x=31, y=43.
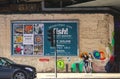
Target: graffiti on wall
x=89, y=61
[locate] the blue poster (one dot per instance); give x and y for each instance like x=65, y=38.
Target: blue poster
x=67, y=41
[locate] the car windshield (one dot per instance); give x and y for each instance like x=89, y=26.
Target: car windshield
x=5, y=60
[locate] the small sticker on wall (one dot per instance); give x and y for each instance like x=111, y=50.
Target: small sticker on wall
x=68, y=59
x=60, y=64
x=44, y=60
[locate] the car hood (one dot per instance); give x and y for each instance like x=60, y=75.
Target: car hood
x=22, y=66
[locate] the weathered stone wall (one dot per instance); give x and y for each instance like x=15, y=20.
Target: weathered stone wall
x=94, y=34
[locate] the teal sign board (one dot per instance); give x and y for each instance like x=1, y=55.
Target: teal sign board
x=31, y=38
x=66, y=38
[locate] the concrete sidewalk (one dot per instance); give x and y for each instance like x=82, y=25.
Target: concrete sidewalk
x=76, y=75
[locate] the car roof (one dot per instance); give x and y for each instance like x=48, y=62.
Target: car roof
x=2, y=57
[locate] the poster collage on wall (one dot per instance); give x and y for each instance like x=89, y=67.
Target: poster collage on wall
x=28, y=39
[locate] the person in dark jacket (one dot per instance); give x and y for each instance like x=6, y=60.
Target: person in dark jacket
x=111, y=66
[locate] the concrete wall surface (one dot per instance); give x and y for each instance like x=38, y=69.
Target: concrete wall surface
x=95, y=32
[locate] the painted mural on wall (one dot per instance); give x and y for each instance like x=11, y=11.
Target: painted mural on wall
x=90, y=62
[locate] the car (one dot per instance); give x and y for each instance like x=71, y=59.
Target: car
x=12, y=70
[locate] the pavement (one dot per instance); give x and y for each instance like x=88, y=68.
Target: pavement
x=77, y=75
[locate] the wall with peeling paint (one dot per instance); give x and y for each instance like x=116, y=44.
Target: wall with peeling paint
x=95, y=33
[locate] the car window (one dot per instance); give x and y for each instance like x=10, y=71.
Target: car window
x=2, y=62
x=9, y=61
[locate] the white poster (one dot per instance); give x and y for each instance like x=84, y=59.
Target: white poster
x=28, y=39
